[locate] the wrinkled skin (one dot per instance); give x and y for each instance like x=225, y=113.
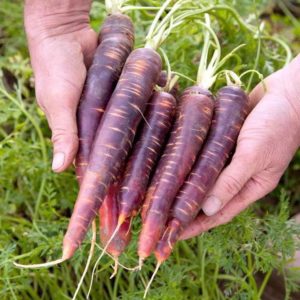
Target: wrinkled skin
x=266, y=145
x=61, y=44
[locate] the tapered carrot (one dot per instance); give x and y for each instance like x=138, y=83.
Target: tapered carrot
x=231, y=109
x=159, y=116
x=192, y=124
x=113, y=141
x=117, y=129
x=108, y=215
x=116, y=41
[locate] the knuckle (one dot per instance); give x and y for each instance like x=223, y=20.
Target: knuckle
x=62, y=134
x=224, y=218
x=245, y=155
x=231, y=185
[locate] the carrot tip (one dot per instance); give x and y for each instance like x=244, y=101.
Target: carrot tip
x=68, y=252
x=121, y=219
x=141, y=262
x=115, y=268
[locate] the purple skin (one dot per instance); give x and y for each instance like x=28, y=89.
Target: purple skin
x=108, y=221
x=231, y=110
x=116, y=41
x=189, y=131
x=113, y=140
x=159, y=115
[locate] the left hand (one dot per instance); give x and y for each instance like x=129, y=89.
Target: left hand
x=62, y=44
x=266, y=145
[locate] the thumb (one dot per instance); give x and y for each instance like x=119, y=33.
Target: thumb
x=59, y=83
x=64, y=138
x=59, y=104
x=230, y=182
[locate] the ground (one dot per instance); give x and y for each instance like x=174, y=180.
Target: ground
x=245, y=259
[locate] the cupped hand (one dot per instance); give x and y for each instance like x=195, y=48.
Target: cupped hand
x=61, y=44
x=266, y=145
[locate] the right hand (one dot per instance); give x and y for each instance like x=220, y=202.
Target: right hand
x=266, y=145
x=61, y=44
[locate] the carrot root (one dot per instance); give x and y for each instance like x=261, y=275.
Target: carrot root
x=91, y=253
x=151, y=279
x=115, y=268
x=43, y=265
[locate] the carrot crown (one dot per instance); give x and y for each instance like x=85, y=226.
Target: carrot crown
x=160, y=30
x=114, y=6
x=171, y=77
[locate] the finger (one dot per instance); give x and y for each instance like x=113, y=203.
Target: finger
x=59, y=103
x=254, y=189
x=230, y=183
x=256, y=95
x=59, y=83
x=263, y=87
x=64, y=138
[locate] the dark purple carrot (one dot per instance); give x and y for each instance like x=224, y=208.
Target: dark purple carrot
x=108, y=216
x=189, y=131
x=113, y=140
x=231, y=109
x=117, y=129
x=116, y=41
x=159, y=116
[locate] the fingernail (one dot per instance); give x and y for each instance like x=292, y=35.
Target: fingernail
x=58, y=160
x=212, y=205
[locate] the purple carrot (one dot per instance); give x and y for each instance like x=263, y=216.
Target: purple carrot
x=231, y=109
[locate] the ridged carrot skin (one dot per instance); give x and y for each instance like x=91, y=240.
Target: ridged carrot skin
x=159, y=115
x=231, y=110
x=116, y=42
x=113, y=140
x=190, y=129
x=108, y=215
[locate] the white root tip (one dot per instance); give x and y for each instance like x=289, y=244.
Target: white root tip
x=151, y=279
x=38, y=266
x=115, y=268
x=140, y=265
x=100, y=257
x=91, y=253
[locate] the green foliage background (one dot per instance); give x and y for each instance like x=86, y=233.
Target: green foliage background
x=35, y=203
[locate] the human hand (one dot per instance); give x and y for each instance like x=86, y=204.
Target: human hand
x=266, y=145
x=61, y=44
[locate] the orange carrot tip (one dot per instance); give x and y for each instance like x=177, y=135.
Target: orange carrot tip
x=121, y=219
x=165, y=245
x=68, y=251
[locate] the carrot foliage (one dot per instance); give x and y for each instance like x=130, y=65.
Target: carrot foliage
x=36, y=204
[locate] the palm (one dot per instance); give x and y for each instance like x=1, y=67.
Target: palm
x=60, y=66
x=266, y=144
